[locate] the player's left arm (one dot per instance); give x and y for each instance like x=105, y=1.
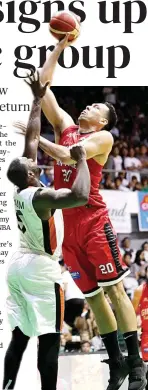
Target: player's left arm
x=97, y=144
x=34, y=124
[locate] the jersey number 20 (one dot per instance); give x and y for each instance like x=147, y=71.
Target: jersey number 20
x=19, y=216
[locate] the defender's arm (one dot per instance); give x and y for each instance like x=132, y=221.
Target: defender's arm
x=34, y=124
x=66, y=198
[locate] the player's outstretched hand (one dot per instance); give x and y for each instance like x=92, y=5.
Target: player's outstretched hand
x=38, y=89
x=77, y=153
x=63, y=43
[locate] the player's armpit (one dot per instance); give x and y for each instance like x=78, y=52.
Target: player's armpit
x=58, y=118
x=98, y=143
x=64, y=198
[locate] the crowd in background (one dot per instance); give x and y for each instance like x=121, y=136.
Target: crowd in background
x=125, y=170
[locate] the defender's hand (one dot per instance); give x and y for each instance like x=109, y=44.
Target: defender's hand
x=77, y=153
x=38, y=89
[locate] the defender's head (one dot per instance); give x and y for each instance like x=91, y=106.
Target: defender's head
x=24, y=172
x=99, y=115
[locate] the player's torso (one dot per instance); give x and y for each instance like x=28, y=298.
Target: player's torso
x=35, y=234
x=144, y=307
x=66, y=174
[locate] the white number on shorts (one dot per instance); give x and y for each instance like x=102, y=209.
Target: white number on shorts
x=106, y=269
x=66, y=174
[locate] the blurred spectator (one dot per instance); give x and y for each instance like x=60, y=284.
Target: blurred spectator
x=86, y=347
x=130, y=282
x=132, y=184
x=47, y=177
x=96, y=341
x=117, y=160
x=144, y=247
x=138, y=267
x=126, y=247
x=143, y=156
x=132, y=164
x=115, y=132
x=127, y=259
x=110, y=166
x=107, y=182
x=43, y=159
x=122, y=176
x=109, y=95
x=119, y=185
x=144, y=183
x=138, y=186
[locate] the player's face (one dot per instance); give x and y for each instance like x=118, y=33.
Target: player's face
x=33, y=171
x=96, y=115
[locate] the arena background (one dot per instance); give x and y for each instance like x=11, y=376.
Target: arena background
x=119, y=184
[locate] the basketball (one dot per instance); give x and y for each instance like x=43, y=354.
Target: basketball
x=64, y=22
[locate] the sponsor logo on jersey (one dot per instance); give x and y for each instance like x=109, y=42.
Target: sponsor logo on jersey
x=65, y=165
x=145, y=300
x=75, y=275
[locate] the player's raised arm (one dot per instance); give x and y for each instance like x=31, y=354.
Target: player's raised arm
x=34, y=124
x=95, y=145
x=59, y=119
x=66, y=198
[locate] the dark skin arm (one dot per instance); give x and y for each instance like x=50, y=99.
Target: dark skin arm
x=78, y=195
x=32, y=135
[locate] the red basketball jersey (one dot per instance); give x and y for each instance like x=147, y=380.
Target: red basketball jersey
x=65, y=174
x=144, y=307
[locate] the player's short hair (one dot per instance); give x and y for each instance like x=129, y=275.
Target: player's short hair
x=17, y=173
x=112, y=119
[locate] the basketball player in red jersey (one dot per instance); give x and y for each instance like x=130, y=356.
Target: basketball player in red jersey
x=90, y=246
x=140, y=303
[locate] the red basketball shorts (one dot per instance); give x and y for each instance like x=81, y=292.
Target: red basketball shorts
x=90, y=250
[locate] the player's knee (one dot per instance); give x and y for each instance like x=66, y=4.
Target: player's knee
x=46, y=361
x=116, y=292
x=48, y=357
x=96, y=299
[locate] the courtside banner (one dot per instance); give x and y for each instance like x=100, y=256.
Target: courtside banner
x=143, y=210
x=119, y=210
